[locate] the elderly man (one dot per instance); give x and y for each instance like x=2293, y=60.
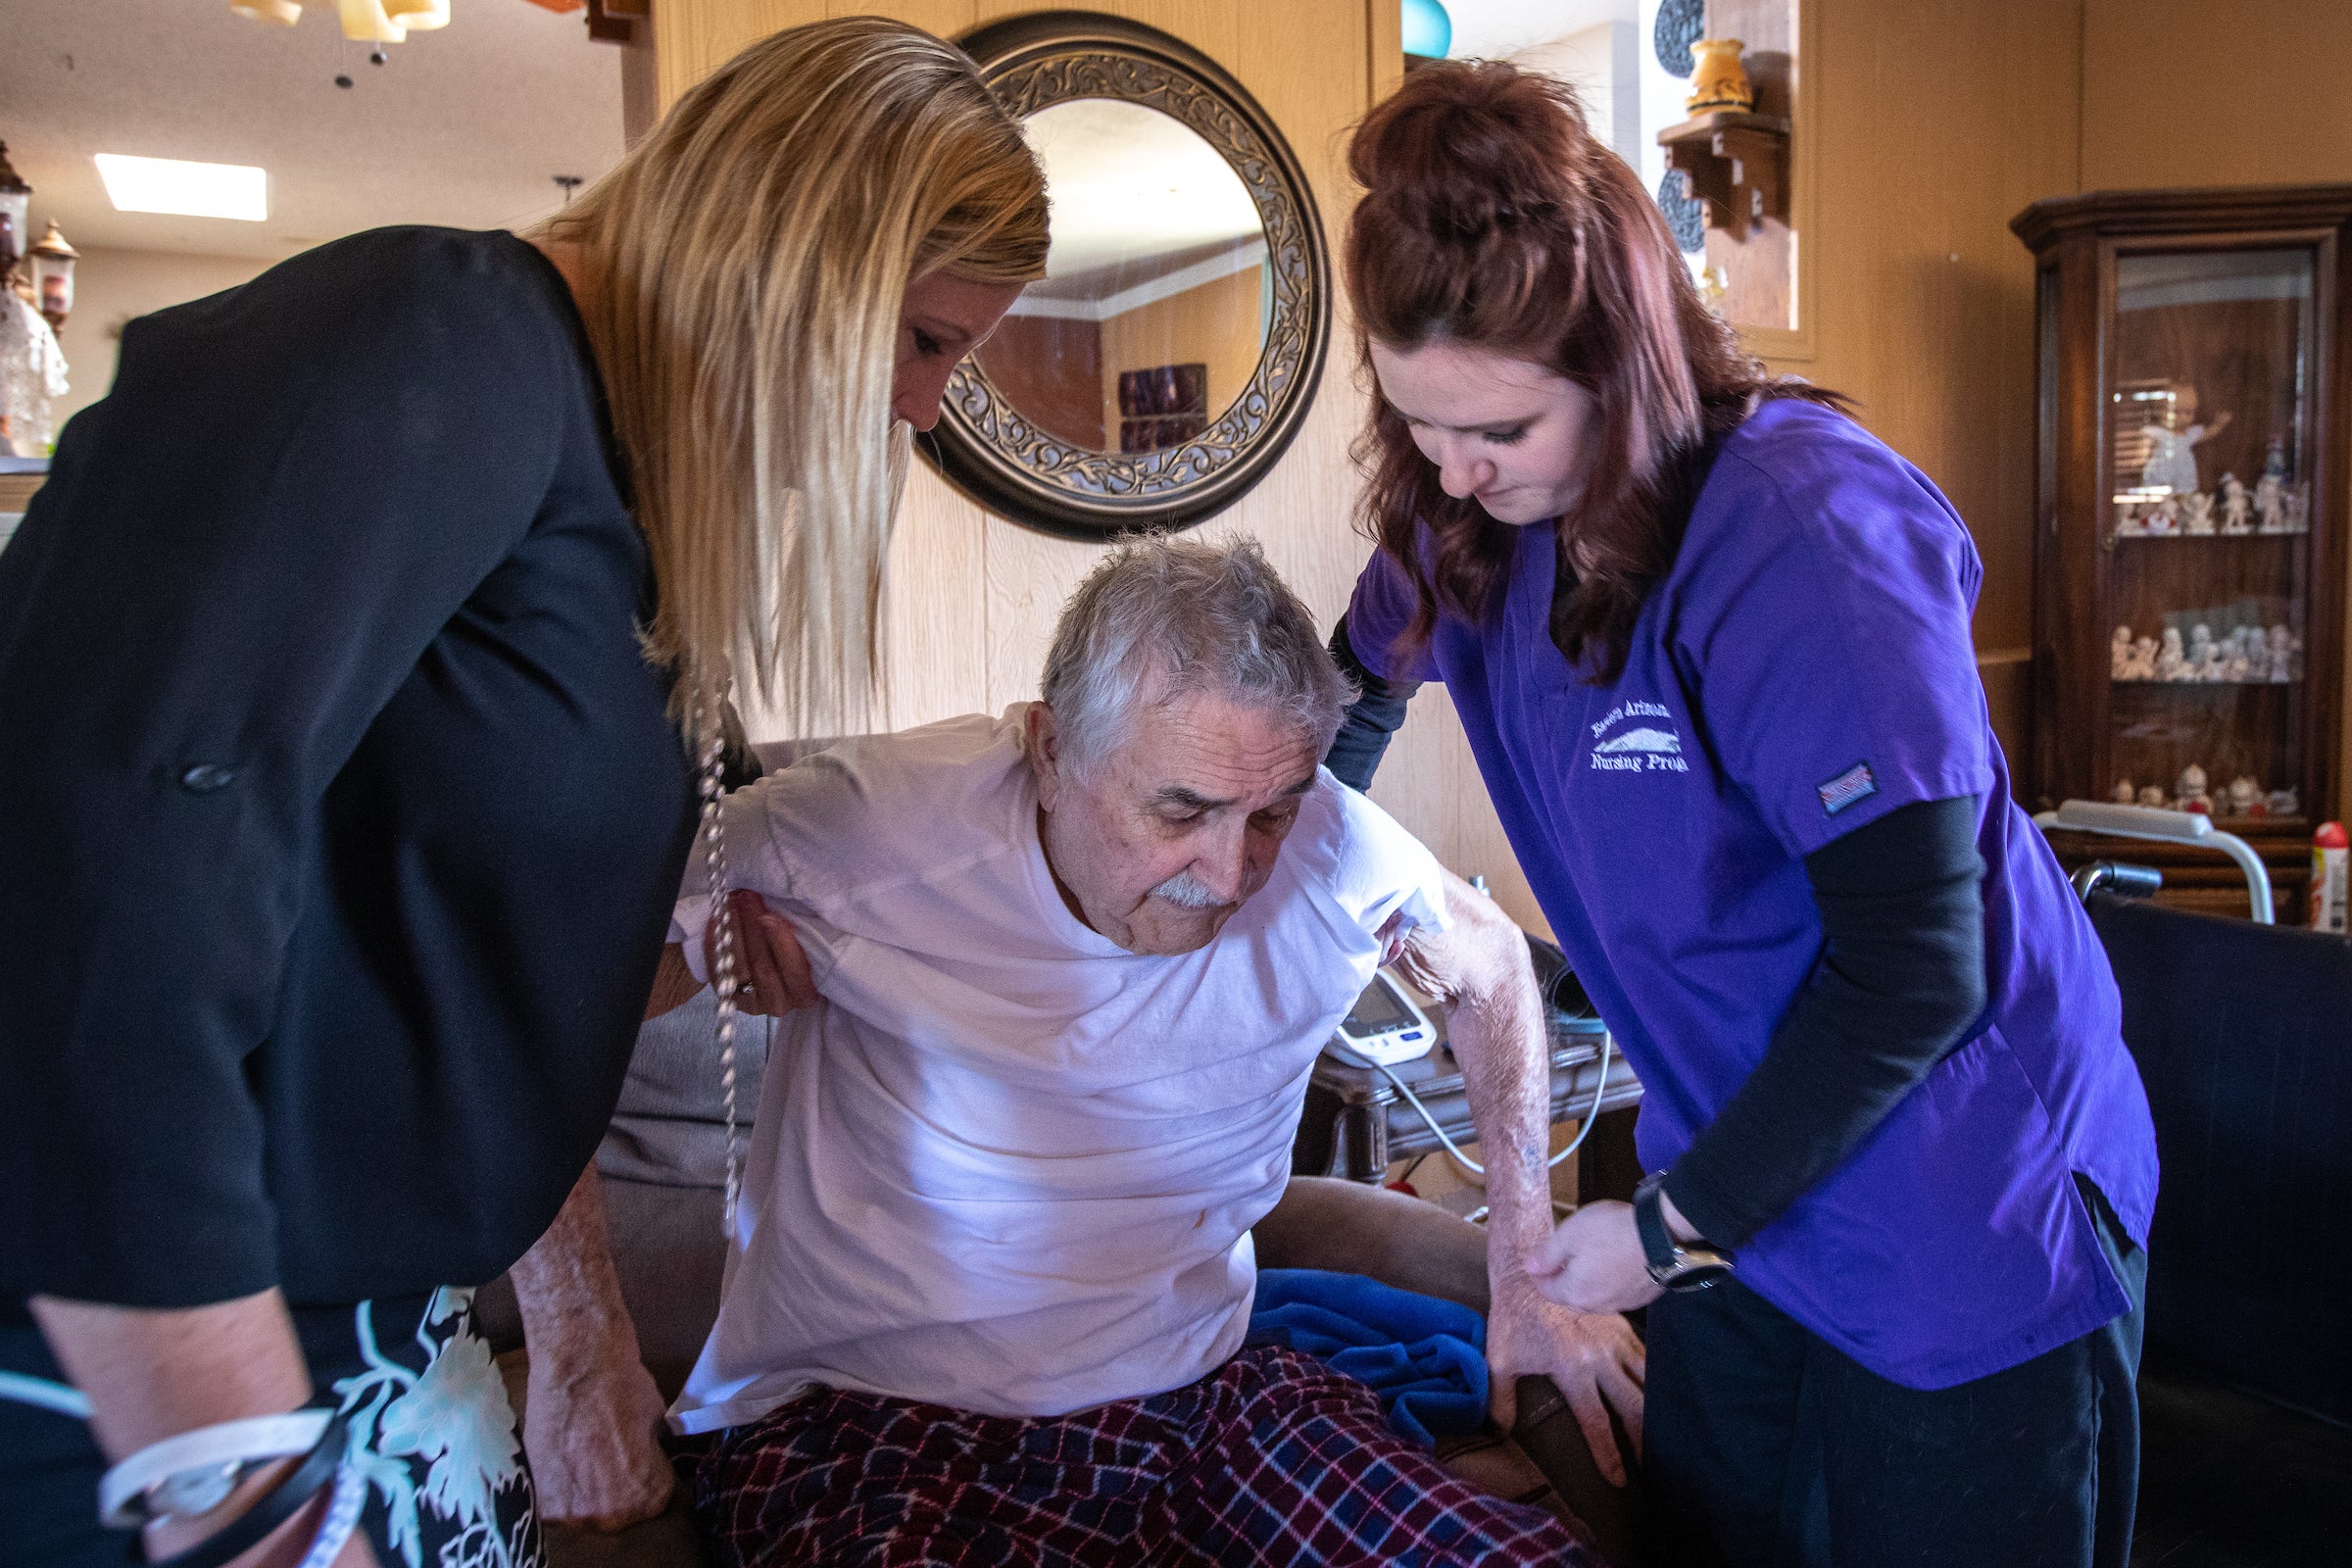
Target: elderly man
x=1070, y=967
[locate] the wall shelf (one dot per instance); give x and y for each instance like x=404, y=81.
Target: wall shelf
x=1734, y=164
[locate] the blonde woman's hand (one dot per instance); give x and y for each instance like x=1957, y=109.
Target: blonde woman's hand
x=774, y=977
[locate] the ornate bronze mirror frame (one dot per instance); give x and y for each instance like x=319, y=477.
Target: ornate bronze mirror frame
x=1048, y=426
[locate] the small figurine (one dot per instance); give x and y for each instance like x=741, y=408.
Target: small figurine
x=2237, y=665
x=2171, y=663
x=2286, y=802
x=2127, y=521
x=2238, y=511
x=2119, y=654
x=2162, y=516
x=2151, y=795
x=2282, y=660
x=2297, y=512
x=2245, y=796
x=2204, y=657
x=2280, y=656
x=2270, y=504
x=2143, y=659
x=2196, y=512
x=2192, y=793
x=2124, y=794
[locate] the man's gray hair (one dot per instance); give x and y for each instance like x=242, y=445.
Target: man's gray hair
x=1165, y=617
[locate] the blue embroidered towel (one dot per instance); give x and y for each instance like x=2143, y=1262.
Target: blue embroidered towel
x=1426, y=1358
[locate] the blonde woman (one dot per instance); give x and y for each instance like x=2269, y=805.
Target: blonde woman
x=347, y=655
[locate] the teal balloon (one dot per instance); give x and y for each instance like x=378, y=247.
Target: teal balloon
x=1428, y=30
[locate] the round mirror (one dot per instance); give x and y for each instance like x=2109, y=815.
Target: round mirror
x=1160, y=366
x=1156, y=296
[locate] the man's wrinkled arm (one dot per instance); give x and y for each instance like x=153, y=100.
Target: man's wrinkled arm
x=1480, y=972
x=592, y=1420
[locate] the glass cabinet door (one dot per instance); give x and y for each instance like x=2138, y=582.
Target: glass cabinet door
x=2208, y=543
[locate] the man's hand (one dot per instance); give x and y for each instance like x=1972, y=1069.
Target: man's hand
x=771, y=973
x=1592, y=1261
x=592, y=1419
x=774, y=977
x=592, y=1433
x=1594, y=1359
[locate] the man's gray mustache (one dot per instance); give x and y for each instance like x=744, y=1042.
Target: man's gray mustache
x=1186, y=892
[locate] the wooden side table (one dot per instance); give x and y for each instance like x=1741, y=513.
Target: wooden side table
x=1356, y=1122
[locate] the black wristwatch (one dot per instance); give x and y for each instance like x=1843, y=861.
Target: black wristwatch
x=1672, y=1264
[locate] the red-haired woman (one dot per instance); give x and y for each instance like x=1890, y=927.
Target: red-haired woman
x=1710, y=642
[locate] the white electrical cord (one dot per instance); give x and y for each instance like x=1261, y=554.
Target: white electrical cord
x=1453, y=1151
x=43, y=1395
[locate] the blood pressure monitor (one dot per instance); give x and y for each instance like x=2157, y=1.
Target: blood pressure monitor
x=1385, y=1025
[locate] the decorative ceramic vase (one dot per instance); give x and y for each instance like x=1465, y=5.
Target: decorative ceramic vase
x=1716, y=79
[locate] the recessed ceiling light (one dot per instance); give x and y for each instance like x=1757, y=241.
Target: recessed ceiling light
x=192, y=190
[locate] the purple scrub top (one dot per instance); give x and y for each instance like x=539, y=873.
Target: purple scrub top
x=1804, y=668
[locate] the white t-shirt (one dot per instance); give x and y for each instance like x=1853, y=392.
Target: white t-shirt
x=1007, y=1165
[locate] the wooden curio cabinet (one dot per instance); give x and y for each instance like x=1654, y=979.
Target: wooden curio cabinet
x=2189, y=548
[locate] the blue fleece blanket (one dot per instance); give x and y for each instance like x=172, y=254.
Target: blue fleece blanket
x=1425, y=1357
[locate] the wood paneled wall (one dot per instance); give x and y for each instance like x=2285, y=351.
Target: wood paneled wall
x=973, y=598
x=1215, y=325
x=1937, y=120
x=2216, y=93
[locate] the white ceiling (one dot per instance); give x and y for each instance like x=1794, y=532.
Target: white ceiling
x=463, y=126
x=1129, y=183
x=1490, y=29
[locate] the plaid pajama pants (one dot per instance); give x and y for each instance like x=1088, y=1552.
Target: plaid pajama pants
x=1272, y=1459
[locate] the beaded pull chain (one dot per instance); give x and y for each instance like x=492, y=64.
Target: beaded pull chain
x=722, y=920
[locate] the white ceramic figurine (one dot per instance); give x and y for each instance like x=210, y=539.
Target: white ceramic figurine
x=2236, y=664
x=2171, y=663
x=2270, y=504
x=2191, y=790
x=2284, y=651
x=2204, y=658
x=2238, y=512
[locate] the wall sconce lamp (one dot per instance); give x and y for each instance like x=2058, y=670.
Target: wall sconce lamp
x=47, y=264
x=53, y=275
